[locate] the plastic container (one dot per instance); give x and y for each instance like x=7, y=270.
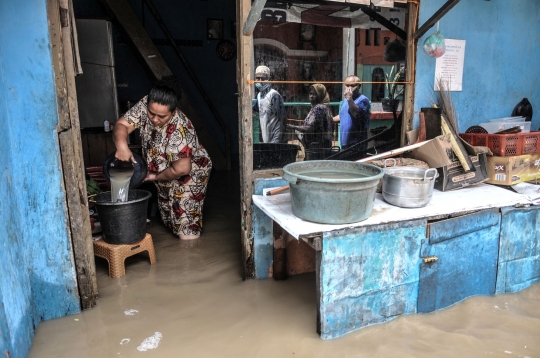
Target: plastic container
x=273, y=155
x=506, y=145
x=140, y=169
x=332, y=191
x=493, y=127
x=123, y=222
x=508, y=119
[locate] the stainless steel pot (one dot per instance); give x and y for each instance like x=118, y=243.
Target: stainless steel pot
x=408, y=187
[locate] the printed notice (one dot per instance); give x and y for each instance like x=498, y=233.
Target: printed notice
x=449, y=66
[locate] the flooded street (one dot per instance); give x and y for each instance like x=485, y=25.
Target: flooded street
x=193, y=303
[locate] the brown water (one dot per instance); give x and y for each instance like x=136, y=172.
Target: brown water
x=120, y=183
x=193, y=303
x=321, y=174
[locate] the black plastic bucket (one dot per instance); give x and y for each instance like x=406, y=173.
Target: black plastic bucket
x=123, y=222
x=273, y=155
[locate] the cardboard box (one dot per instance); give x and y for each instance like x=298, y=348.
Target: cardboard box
x=453, y=176
x=438, y=154
x=513, y=170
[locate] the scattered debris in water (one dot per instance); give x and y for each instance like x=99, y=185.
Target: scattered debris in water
x=151, y=342
x=124, y=341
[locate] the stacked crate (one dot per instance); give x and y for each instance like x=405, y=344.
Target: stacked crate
x=516, y=157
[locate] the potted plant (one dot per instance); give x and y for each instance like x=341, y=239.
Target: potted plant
x=394, y=90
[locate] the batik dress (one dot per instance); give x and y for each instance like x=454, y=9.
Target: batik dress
x=180, y=200
x=319, y=122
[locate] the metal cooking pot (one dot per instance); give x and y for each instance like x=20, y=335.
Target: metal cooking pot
x=408, y=187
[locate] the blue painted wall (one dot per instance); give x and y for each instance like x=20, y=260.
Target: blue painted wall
x=37, y=278
x=185, y=20
x=262, y=229
x=501, y=58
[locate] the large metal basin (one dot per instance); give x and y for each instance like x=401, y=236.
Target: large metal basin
x=332, y=191
x=408, y=187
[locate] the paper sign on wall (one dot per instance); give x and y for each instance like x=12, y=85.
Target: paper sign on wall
x=449, y=66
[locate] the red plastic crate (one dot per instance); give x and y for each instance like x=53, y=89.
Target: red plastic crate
x=506, y=145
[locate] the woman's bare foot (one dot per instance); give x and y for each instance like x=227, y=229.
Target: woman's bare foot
x=189, y=237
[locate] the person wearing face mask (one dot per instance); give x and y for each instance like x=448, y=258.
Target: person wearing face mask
x=317, y=127
x=353, y=116
x=272, y=112
x=178, y=164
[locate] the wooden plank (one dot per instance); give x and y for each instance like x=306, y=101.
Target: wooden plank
x=434, y=18
x=130, y=26
x=73, y=171
x=408, y=95
x=55, y=30
x=253, y=16
x=368, y=275
x=474, y=198
x=86, y=154
x=71, y=153
x=244, y=72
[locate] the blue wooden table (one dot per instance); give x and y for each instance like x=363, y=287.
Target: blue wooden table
x=480, y=240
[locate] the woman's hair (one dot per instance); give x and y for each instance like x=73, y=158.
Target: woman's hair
x=164, y=93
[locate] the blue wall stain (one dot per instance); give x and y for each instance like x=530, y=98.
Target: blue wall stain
x=37, y=280
x=368, y=275
x=262, y=230
x=519, y=249
x=501, y=58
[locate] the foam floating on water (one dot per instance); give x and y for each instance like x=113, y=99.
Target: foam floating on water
x=151, y=342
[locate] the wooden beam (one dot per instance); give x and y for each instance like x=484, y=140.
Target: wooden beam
x=436, y=17
x=244, y=72
x=128, y=23
x=410, y=58
x=253, y=16
x=71, y=154
x=384, y=21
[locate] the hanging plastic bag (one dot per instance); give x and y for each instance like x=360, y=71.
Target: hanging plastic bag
x=434, y=44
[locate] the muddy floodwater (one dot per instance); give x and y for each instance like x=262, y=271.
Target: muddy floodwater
x=193, y=303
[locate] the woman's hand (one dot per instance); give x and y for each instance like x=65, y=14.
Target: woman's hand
x=124, y=154
x=151, y=176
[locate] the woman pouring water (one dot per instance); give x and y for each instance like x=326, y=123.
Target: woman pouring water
x=178, y=164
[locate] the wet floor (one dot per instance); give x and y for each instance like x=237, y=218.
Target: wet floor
x=193, y=303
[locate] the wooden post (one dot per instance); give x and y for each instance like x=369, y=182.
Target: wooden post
x=244, y=72
x=71, y=153
x=408, y=96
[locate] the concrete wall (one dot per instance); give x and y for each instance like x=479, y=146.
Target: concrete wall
x=37, y=278
x=501, y=58
x=186, y=20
